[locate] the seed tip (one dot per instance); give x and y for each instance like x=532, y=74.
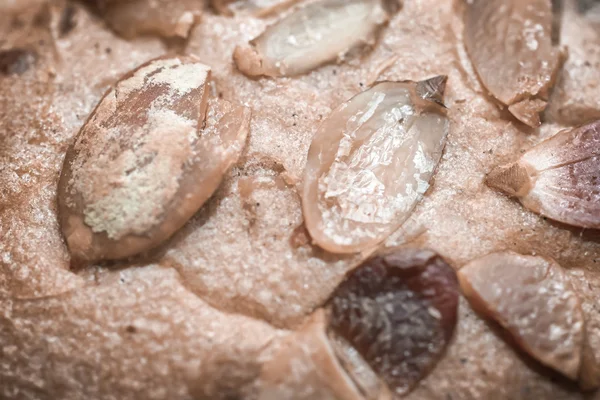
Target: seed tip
x=433, y=89
x=513, y=179
x=248, y=61
x=528, y=111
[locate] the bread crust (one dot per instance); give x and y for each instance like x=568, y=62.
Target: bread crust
x=199, y=317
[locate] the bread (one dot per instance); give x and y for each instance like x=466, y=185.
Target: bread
x=199, y=316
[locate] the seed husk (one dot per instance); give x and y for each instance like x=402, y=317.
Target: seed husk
x=532, y=298
x=559, y=178
x=151, y=153
x=258, y=8
x=371, y=161
x=167, y=18
x=306, y=367
x=510, y=45
x=398, y=311
x=313, y=35
x=383, y=329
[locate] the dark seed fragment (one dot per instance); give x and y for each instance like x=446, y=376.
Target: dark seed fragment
x=16, y=61
x=398, y=311
x=67, y=20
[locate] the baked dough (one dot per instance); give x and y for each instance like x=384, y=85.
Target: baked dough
x=199, y=316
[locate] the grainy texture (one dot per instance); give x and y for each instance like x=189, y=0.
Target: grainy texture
x=246, y=252
x=134, y=334
x=40, y=112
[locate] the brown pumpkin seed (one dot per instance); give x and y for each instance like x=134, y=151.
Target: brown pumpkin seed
x=150, y=154
x=383, y=329
x=168, y=18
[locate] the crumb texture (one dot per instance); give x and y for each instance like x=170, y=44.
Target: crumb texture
x=246, y=256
